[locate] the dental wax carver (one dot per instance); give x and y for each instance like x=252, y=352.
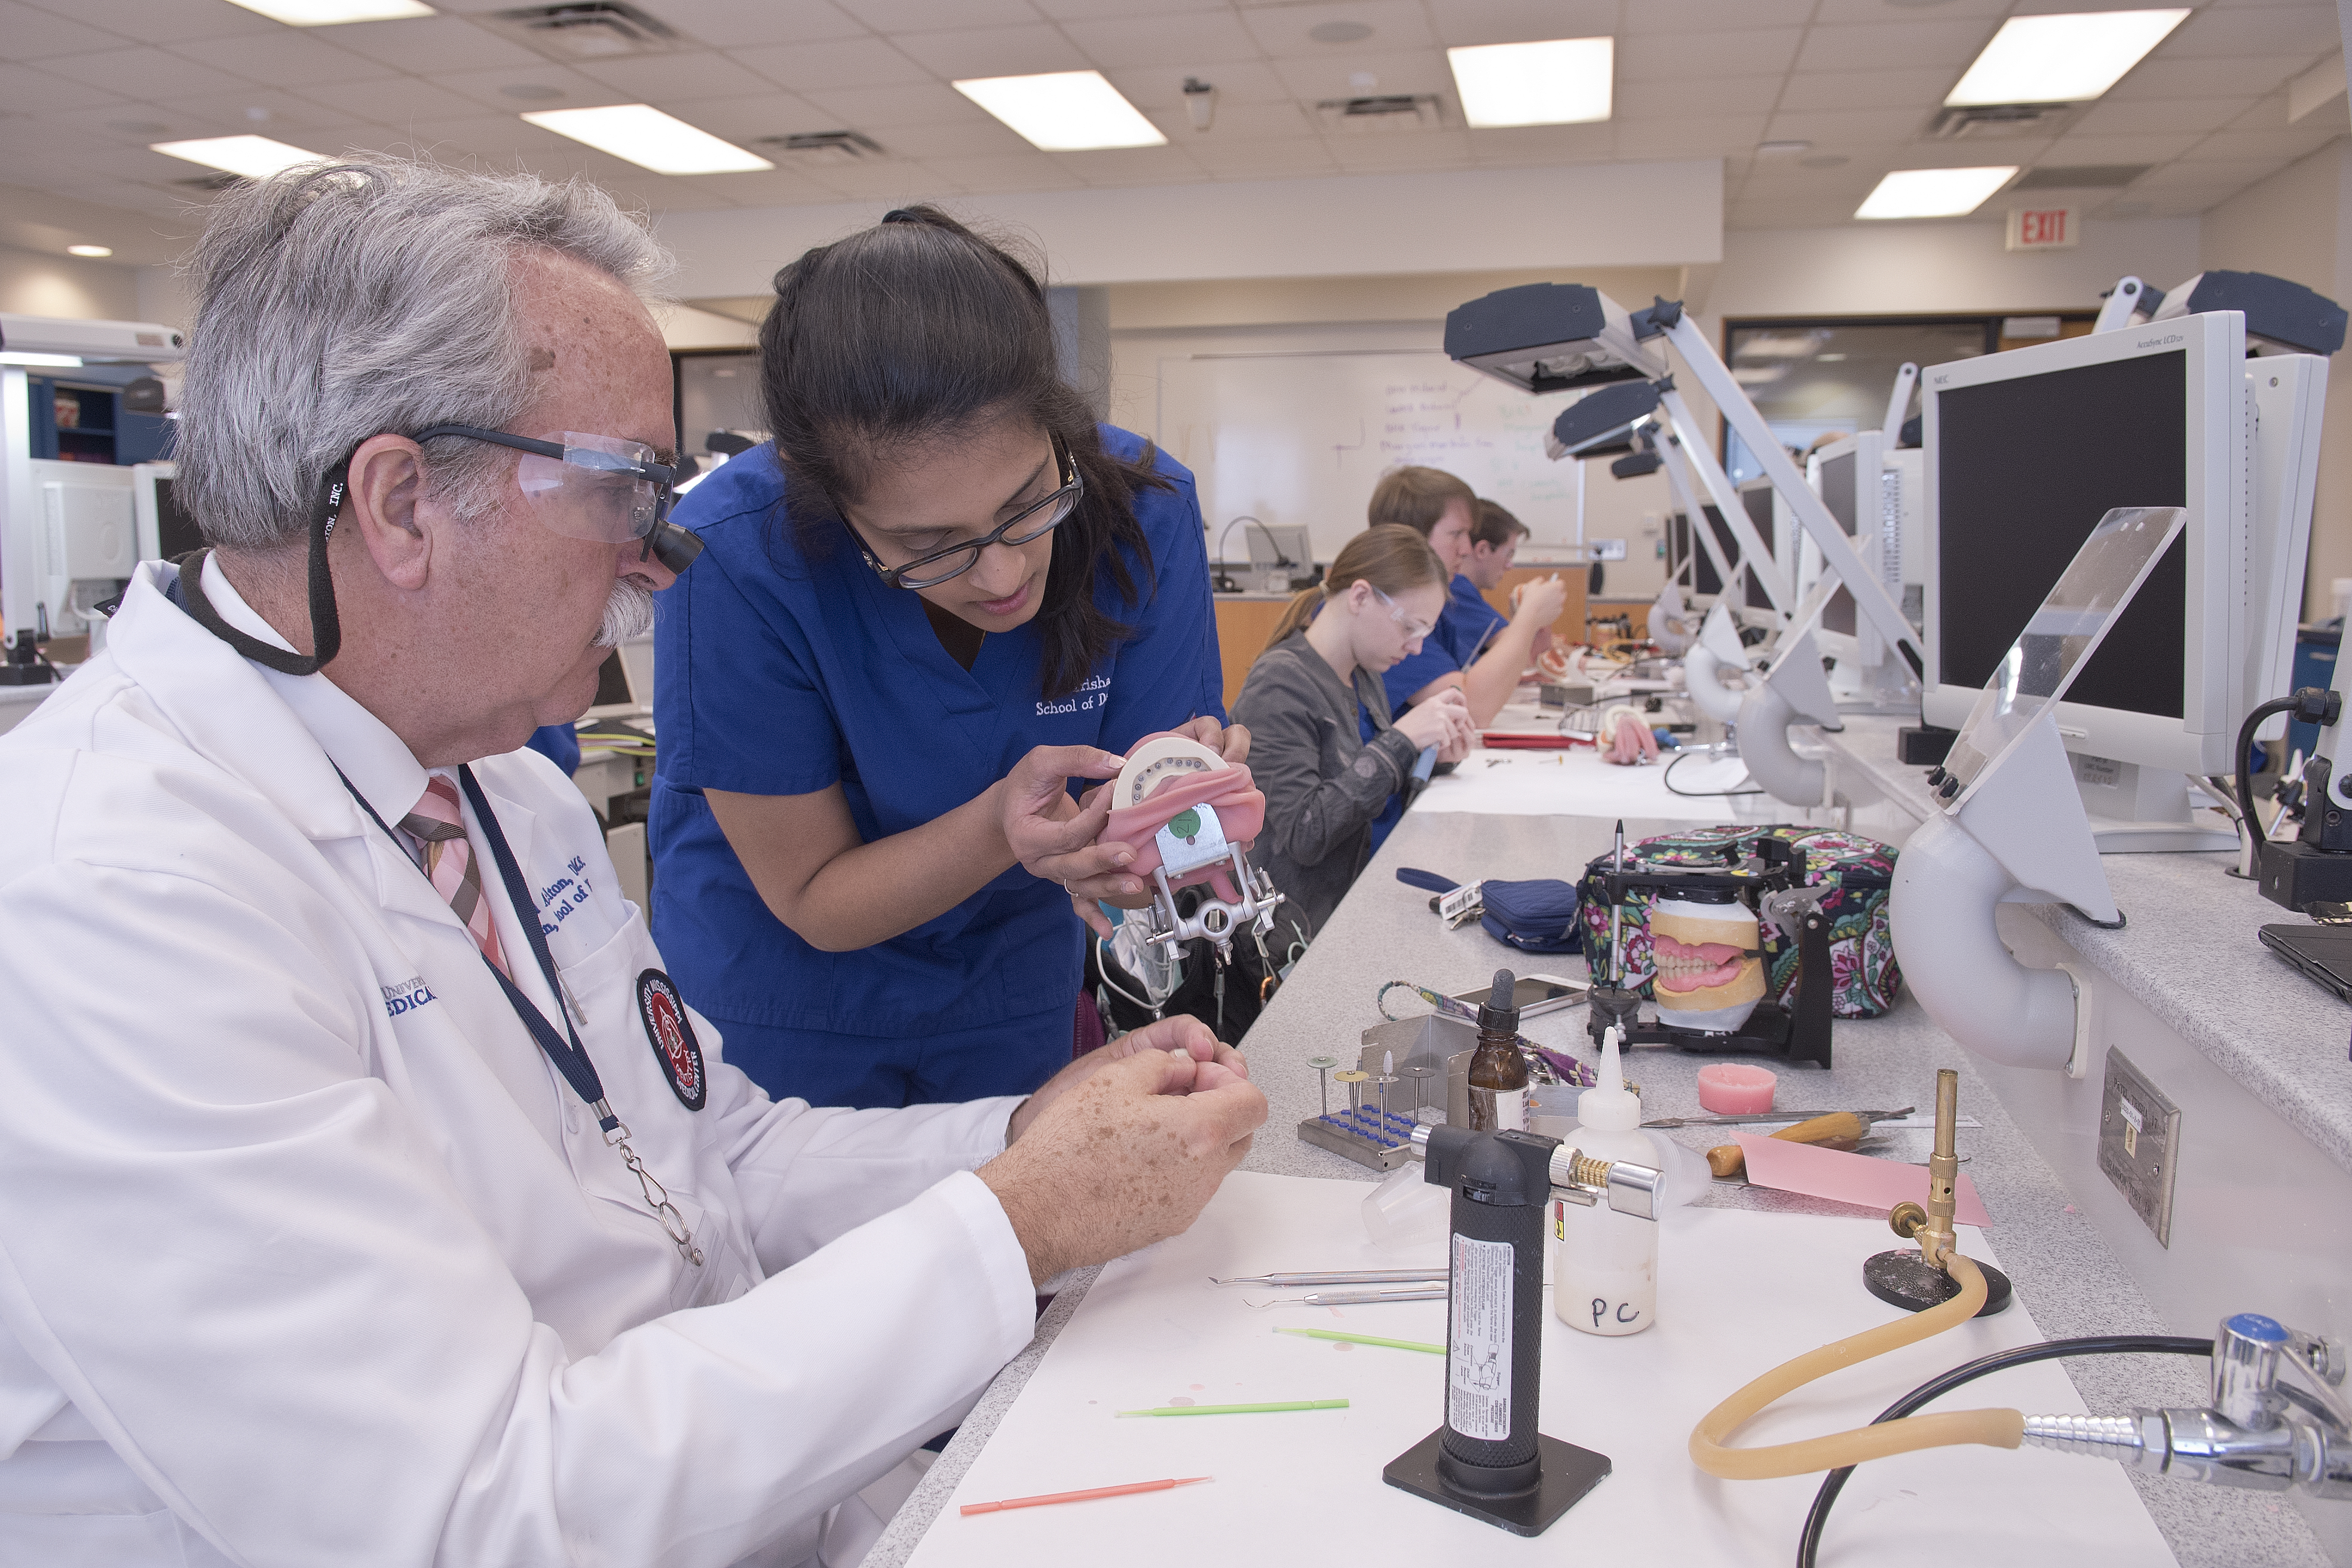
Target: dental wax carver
x=941, y=593
x=1316, y=684
x=372, y=1197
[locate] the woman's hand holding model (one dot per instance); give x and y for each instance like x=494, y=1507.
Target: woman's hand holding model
x=1443, y=722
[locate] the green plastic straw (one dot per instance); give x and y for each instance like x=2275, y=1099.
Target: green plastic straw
x=1239, y=1409
x=1364, y=1339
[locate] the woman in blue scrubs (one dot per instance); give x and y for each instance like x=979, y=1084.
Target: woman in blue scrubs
x=940, y=594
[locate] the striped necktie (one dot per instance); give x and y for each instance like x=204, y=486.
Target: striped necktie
x=450, y=863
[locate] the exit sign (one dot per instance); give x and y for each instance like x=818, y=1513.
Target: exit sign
x=2044, y=228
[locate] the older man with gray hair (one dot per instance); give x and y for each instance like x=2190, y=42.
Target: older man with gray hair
x=371, y=1196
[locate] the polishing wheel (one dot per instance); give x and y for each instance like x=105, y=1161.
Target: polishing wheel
x=1160, y=762
x=1904, y=1279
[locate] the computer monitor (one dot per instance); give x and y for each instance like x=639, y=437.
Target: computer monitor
x=1286, y=546
x=2026, y=450
x=1758, y=497
x=624, y=682
x=166, y=531
x=1874, y=495
x=1683, y=550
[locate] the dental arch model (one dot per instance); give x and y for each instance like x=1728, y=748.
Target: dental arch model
x=1186, y=811
x=1708, y=964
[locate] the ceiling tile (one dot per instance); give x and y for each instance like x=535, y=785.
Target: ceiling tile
x=853, y=62
x=2280, y=144
x=772, y=188
x=926, y=15
x=2187, y=204
x=1100, y=10
x=395, y=100
x=1239, y=123
x=893, y=183
x=285, y=116
x=1920, y=89
x=484, y=86
x=2268, y=112
x=1133, y=166
x=1029, y=50
x=1420, y=70
x=30, y=90
x=27, y=33
x=929, y=143
x=2129, y=118
x=1157, y=40
x=673, y=79
x=732, y=24
x=163, y=21
x=1673, y=100
x=1692, y=138
x=1841, y=11
x=1846, y=129
x=2185, y=174
x=1236, y=81
x=2166, y=81
x=142, y=73
x=283, y=56
x=1679, y=18
x=1895, y=46
x=1739, y=52
x=428, y=44
x=1031, y=171
x=1264, y=160
x=871, y=109
x=1466, y=22
x=774, y=112
x=1283, y=31
x=1517, y=146
x=491, y=136
x=1380, y=154
x=2073, y=151
x=2309, y=31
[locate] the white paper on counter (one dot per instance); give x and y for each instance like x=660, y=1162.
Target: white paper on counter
x=1739, y=1292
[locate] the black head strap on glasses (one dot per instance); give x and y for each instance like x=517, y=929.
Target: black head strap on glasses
x=326, y=627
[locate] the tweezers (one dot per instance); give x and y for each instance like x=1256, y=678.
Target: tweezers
x=1341, y=1276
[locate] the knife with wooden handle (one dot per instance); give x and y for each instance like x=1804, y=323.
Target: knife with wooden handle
x=1841, y=1130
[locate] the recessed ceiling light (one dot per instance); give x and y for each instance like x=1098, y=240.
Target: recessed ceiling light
x=91, y=250
x=1063, y=112
x=255, y=157
x=2069, y=58
x=1933, y=193
x=334, y=13
x=649, y=139
x=1563, y=82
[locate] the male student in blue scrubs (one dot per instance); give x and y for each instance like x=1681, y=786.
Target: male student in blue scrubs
x=940, y=595
x=1465, y=650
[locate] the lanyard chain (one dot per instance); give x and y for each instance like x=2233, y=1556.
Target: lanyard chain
x=616, y=1134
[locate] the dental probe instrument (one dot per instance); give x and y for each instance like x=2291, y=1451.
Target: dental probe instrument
x=1339, y=1277
x=1434, y=1291
x=1867, y=1118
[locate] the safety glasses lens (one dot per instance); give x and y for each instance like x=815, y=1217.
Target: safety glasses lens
x=602, y=488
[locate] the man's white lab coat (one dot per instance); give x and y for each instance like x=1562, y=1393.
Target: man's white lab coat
x=308, y=1256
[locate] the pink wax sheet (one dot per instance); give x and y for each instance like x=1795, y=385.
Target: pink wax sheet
x=1849, y=1178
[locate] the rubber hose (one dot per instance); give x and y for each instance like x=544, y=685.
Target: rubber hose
x=2245, y=744
x=1993, y=1429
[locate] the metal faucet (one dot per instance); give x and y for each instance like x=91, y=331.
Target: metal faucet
x=2262, y=1432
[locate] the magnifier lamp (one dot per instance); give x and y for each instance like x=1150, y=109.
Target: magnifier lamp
x=2012, y=830
x=1717, y=649
x=1794, y=690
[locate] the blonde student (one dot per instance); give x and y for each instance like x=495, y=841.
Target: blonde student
x=1315, y=693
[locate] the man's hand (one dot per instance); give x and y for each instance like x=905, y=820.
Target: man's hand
x=1182, y=1033
x=1540, y=600
x=1126, y=1152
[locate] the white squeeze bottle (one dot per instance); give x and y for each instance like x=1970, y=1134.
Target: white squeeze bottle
x=1605, y=1264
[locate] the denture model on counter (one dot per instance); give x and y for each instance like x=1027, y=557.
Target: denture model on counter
x=1709, y=967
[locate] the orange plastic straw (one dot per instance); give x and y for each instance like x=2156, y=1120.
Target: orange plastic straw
x=972, y=1508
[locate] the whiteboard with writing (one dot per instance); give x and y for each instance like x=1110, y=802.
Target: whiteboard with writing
x=1300, y=439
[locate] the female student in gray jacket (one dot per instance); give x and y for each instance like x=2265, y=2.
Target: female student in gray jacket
x=1324, y=784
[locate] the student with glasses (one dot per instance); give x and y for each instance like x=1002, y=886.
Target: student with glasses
x=940, y=595
x=1315, y=692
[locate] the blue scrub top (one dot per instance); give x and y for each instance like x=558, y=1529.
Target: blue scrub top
x=783, y=671
x=1469, y=622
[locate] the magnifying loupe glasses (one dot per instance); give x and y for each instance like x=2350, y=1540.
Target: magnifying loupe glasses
x=594, y=487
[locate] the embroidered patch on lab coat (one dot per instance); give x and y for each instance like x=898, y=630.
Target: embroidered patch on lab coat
x=672, y=1039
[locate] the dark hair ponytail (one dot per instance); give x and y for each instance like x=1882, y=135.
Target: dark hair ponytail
x=918, y=331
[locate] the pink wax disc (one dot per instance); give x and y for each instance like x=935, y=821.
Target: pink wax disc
x=1732, y=1089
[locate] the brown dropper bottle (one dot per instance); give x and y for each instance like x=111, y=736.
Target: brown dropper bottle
x=1498, y=1074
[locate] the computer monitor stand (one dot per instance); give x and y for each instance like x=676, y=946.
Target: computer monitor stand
x=2142, y=810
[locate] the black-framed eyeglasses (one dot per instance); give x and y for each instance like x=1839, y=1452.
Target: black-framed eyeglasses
x=603, y=487
x=1032, y=521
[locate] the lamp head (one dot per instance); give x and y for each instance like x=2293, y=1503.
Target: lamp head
x=1552, y=337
